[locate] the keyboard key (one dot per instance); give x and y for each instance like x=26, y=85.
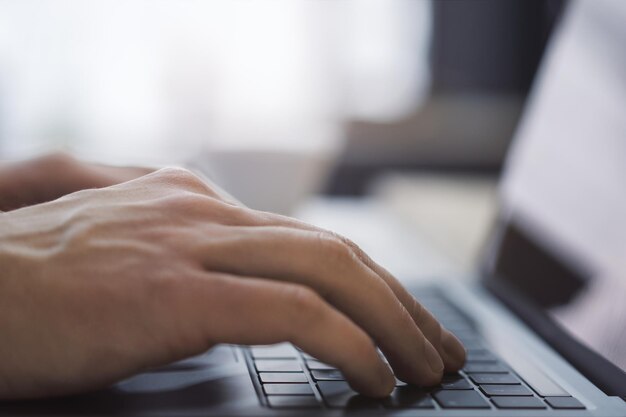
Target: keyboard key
x=269, y=365
x=506, y=390
x=518, y=402
x=319, y=366
x=457, y=382
x=288, y=389
x=332, y=388
x=460, y=399
x=568, y=403
x=338, y=394
x=507, y=379
x=283, y=377
x=328, y=375
x=409, y=397
x=485, y=368
x=308, y=357
x=293, y=401
x=280, y=351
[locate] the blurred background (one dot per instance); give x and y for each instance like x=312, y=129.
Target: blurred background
x=275, y=100
x=412, y=84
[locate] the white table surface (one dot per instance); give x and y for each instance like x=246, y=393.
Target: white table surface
x=384, y=236
x=419, y=227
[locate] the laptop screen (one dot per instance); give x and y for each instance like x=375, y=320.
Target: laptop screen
x=564, y=186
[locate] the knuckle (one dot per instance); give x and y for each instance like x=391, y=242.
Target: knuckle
x=303, y=298
x=335, y=249
x=349, y=243
x=240, y=214
x=201, y=206
x=174, y=172
x=183, y=178
x=356, y=250
x=182, y=200
x=256, y=217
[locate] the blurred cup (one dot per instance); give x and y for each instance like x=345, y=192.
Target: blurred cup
x=269, y=180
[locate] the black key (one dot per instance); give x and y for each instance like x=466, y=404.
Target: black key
x=280, y=351
x=518, y=402
x=293, y=401
x=319, y=366
x=268, y=365
x=283, y=377
x=568, y=403
x=506, y=390
x=460, y=399
x=288, y=389
x=333, y=388
x=457, y=382
x=507, y=379
x=328, y=375
x=409, y=397
x=338, y=394
x=485, y=368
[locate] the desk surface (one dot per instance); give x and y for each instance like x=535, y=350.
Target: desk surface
x=418, y=227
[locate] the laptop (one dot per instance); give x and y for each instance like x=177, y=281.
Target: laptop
x=544, y=324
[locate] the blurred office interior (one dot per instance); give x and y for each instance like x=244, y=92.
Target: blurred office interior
x=276, y=100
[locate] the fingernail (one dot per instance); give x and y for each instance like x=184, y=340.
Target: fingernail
x=434, y=360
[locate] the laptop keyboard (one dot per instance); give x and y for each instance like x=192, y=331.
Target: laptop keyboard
x=289, y=378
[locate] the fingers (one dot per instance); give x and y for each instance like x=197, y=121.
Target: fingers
x=326, y=265
x=228, y=212
x=447, y=345
x=258, y=311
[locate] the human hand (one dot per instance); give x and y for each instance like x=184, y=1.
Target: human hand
x=104, y=283
x=51, y=176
